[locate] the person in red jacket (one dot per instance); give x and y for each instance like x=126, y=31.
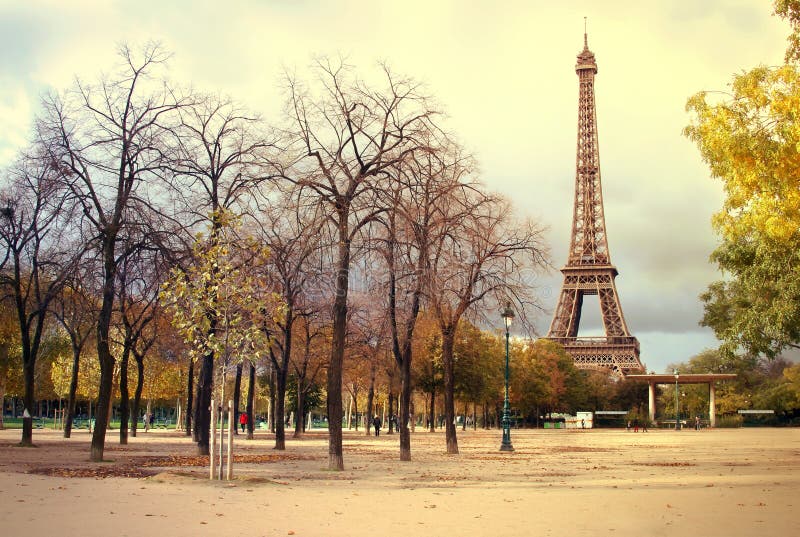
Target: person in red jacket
x=243, y=420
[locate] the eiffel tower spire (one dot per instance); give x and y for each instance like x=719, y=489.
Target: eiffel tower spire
x=589, y=270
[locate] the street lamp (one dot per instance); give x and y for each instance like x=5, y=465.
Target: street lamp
x=677, y=408
x=508, y=316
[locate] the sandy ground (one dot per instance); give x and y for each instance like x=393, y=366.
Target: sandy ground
x=725, y=482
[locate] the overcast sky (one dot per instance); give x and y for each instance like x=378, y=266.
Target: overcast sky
x=504, y=73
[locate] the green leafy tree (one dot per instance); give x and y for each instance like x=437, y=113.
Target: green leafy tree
x=543, y=378
x=792, y=378
x=479, y=365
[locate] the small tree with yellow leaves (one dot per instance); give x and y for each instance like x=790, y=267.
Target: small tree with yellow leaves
x=218, y=304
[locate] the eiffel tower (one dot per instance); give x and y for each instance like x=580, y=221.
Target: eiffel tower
x=589, y=270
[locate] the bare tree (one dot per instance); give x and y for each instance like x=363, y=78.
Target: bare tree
x=140, y=276
x=307, y=365
x=76, y=310
x=350, y=137
x=109, y=138
x=371, y=339
x=39, y=256
x=483, y=256
x=220, y=158
x=292, y=232
x=419, y=211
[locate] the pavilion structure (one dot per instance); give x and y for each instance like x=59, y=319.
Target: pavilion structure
x=677, y=379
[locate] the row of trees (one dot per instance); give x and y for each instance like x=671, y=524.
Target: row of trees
x=142, y=210
x=543, y=380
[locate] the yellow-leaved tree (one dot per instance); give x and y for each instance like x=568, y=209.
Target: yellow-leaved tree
x=218, y=304
x=750, y=138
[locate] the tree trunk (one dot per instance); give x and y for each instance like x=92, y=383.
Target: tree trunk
x=390, y=428
x=104, y=355
x=237, y=395
x=370, y=396
x=448, y=341
x=28, y=401
x=73, y=390
x=202, y=410
x=272, y=384
x=251, y=395
x=299, y=427
x=280, y=411
x=189, y=402
x=413, y=414
x=102, y=410
x=137, y=395
x=432, y=423
x=474, y=416
x=349, y=416
x=355, y=409
x=339, y=340
x=124, y=396
x=405, y=407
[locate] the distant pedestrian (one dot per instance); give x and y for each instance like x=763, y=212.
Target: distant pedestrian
x=243, y=420
x=697, y=423
x=628, y=426
x=636, y=425
x=583, y=424
x=376, y=422
x=644, y=426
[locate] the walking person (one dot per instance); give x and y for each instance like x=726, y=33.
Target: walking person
x=243, y=420
x=376, y=422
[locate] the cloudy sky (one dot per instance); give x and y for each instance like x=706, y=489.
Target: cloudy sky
x=503, y=71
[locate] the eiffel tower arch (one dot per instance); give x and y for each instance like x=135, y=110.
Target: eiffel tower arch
x=589, y=270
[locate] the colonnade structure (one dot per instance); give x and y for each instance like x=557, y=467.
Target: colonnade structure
x=677, y=379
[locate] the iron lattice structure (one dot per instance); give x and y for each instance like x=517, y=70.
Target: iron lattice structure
x=589, y=270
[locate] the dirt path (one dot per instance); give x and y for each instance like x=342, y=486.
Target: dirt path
x=601, y=482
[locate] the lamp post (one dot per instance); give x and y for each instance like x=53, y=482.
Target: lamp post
x=508, y=316
x=677, y=402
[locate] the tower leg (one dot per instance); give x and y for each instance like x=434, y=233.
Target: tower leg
x=567, y=317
